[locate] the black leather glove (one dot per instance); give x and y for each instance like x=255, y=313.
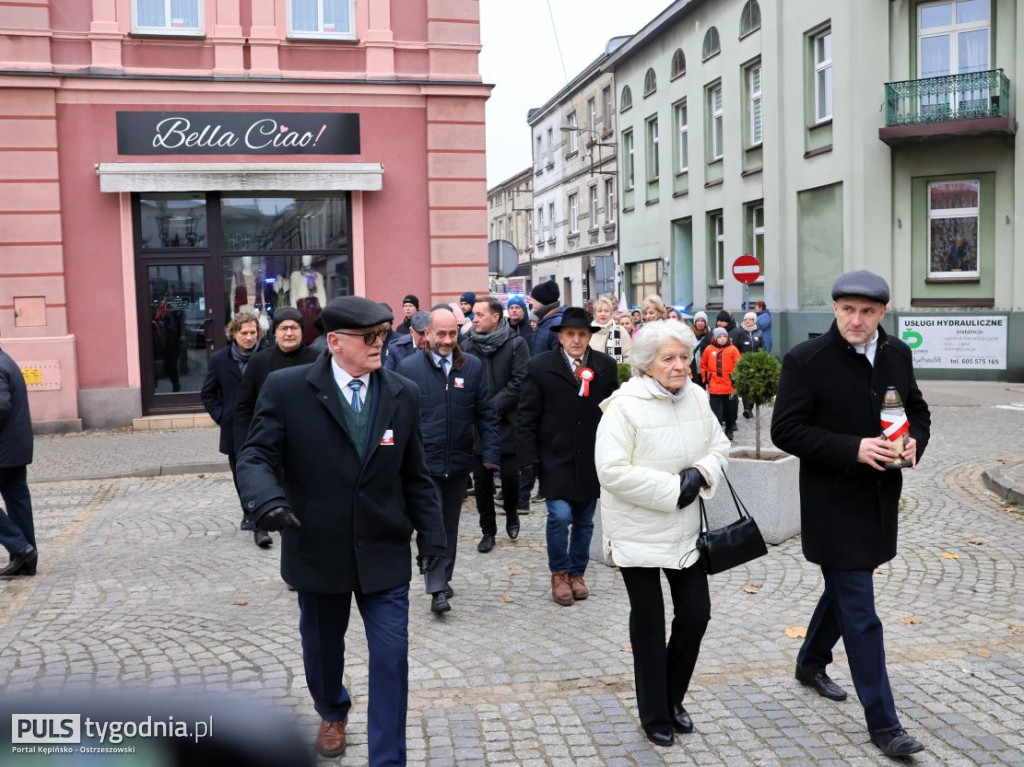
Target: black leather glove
x=278, y=518
x=690, y=483
x=427, y=563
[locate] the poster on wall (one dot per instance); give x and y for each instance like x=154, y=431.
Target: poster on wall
x=956, y=343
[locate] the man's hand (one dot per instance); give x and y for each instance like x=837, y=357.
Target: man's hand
x=876, y=451
x=492, y=466
x=277, y=519
x=910, y=451
x=427, y=563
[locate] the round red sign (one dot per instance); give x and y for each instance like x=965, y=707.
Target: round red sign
x=746, y=269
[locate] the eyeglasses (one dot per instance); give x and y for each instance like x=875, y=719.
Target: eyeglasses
x=368, y=338
x=289, y=328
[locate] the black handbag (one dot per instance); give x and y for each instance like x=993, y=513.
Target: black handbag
x=732, y=545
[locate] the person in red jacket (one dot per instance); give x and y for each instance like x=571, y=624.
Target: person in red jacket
x=716, y=366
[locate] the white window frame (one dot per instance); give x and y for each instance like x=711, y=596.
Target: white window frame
x=629, y=148
x=756, y=99
x=755, y=232
x=320, y=34
x=718, y=248
x=551, y=146
x=167, y=29
x=592, y=108
x=717, y=118
x=682, y=137
x=953, y=31
x=574, y=132
x=974, y=213
x=592, y=202
x=822, y=69
x=653, y=150
x=551, y=220
x=574, y=213
x=540, y=224
x=608, y=105
x=609, y=201
x=540, y=152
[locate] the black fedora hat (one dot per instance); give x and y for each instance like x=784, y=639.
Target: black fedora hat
x=574, y=317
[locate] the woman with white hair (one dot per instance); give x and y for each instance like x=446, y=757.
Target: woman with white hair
x=611, y=339
x=659, y=446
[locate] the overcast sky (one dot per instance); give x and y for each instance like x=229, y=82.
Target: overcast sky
x=520, y=58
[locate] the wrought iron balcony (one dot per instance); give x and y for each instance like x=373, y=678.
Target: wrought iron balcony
x=976, y=103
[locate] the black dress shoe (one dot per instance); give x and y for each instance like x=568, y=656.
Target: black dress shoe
x=896, y=743
x=681, y=721
x=262, y=538
x=449, y=592
x=512, y=530
x=22, y=563
x=661, y=738
x=439, y=603
x=821, y=682
x=523, y=507
x=486, y=544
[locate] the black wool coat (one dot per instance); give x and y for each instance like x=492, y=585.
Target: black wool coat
x=357, y=515
x=829, y=398
x=557, y=429
x=15, y=419
x=505, y=371
x=220, y=393
x=260, y=366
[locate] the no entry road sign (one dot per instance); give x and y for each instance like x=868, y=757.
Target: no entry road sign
x=746, y=269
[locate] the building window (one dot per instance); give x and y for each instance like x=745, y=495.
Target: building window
x=682, y=138
x=574, y=214
x=627, y=156
x=551, y=146
x=757, y=232
x=606, y=105
x=592, y=111
x=551, y=222
x=644, y=279
x=750, y=18
x=823, y=76
x=953, y=229
x=626, y=100
x=540, y=153
x=168, y=17
x=712, y=44
x=540, y=224
x=574, y=133
x=717, y=136
x=592, y=207
x=322, y=18
x=953, y=37
x=653, y=153
x=717, y=232
x=609, y=201
x=678, y=68
x=650, y=82
x=756, y=110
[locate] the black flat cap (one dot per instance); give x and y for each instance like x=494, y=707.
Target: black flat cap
x=353, y=312
x=861, y=284
x=575, y=317
x=419, y=320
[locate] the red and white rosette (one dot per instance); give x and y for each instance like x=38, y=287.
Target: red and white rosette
x=586, y=375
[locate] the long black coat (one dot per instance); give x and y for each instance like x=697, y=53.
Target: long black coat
x=260, y=366
x=357, y=515
x=830, y=397
x=505, y=371
x=220, y=393
x=557, y=428
x=15, y=419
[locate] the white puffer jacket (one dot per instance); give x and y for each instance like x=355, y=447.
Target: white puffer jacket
x=645, y=438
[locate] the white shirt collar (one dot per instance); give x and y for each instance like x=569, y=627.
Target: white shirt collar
x=342, y=377
x=437, y=358
x=868, y=349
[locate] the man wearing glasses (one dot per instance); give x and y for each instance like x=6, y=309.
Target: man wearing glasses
x=335, y=461
x=288, y=350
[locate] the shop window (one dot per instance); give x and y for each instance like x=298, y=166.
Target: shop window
x=172, y=221
x=953, y=229
x=167, y=17
x=332, y=19
x=284, y=223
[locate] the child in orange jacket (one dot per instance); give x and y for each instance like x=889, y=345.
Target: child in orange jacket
x=716, y=366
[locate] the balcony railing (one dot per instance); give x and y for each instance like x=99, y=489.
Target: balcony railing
x=951, y=97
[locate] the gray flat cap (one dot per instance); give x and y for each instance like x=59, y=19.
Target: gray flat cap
x=419, y=321
x=353, y=312
x=861, y=284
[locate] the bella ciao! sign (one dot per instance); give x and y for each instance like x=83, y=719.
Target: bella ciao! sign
x=190, y=133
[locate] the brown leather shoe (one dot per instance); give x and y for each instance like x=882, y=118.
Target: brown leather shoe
x=561, y=591
x=330, y=741
x=579, y=587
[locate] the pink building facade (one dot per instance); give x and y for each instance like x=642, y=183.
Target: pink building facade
x=165, y=163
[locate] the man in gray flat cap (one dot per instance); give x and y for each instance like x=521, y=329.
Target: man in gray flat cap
x=334, y=459
x=403, y=346
x=828, y=414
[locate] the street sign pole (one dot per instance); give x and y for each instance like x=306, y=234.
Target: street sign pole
x=746, y=269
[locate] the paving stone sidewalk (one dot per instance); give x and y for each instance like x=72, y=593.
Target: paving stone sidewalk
x=146, y=582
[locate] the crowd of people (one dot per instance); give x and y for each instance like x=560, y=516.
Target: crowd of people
x=354, y=451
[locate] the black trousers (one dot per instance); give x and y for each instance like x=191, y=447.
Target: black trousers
x=17, y=529
x=527, y=476
x=247, y=523
x=663, y=672
x=451, y=490
x=724, y=406
x=484, y=481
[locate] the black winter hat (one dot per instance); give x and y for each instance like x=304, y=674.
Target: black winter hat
x=723, y=316
x=411, y=299
x=546, y=292
x=469, y=297
x=287, y=313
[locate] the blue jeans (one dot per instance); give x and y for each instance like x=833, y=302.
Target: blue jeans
x=570, y=551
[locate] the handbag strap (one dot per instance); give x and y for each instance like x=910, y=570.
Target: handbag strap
x=740, y=508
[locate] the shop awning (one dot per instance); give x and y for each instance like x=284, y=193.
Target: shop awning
x=239, y=176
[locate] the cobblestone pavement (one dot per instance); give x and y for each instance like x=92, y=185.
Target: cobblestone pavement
x=147, y=582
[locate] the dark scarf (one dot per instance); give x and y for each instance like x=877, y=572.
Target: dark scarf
x=241, y=358
x=488, y=344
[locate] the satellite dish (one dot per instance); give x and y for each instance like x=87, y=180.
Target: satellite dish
x=502, y=257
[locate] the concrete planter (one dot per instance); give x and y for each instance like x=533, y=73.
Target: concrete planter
x=770, y=489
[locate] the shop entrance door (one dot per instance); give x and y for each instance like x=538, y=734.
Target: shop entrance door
x=177, y=334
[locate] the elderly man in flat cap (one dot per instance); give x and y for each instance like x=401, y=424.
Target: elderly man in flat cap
x=334, y=459
x=828, y=414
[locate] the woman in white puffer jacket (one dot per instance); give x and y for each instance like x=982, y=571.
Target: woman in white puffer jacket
x=658, y=447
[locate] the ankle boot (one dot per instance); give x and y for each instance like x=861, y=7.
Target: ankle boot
x=561, y=591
